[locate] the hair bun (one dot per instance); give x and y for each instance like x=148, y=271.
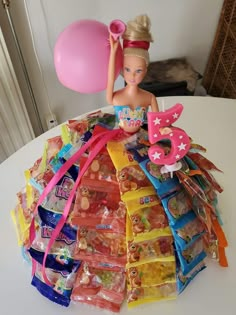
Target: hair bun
x=139, y=29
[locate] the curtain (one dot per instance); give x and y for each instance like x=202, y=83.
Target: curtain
x=15, y=126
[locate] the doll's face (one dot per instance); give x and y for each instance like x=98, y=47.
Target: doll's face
x=134, y=69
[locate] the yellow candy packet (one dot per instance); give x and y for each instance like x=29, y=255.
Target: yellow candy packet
x=151, y=274
x=143, y=198
x=119, y=155
x=129, y=174
x=157, y=249
x=149, y=222
x=138, y=296
x=22, y=226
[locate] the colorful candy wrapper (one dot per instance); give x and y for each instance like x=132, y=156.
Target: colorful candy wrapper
x=142, y=295
x=101, y=174
x=62, y=284
x=176, y=205
x=129, y=174
x=157, y=249
x=51, y=148
x=199, y=201
x=73, y=130
x=152, y=273
x=183, y=281
x=141, y=199
x=59, y=195
x=187, y=230
x=196, y=148
x=191, y=256
x=57, y=262
x=163, y=183
x=21, y=214
x=63, y=247
x=98, y=208
x=203, y=162
x=100, y=284
x=51, y=219
x=21, y=225
x=148, y=222
x=100, y=243
x=40, y=182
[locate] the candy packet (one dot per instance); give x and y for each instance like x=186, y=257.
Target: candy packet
x=57, y=262
x=51, y=219
x=98, y=117
x=146, y=197
x=156, y=249
x=151, y=274
x=101, y=174
x=176, y=205
x=202, y=162
x=187, y=230
x=63, y=247
x=201, y=206
x=163, y=183
x=196, y=148
x=191, y=256
x=184, y=280
x=98, y=207
x=40, y=181
x=100, y=284
x=142, y=295
x=51, y=148
x=129, y=174
x=73, y=130
x=62, y=284
x=57, y=161
x=21, y=225
x=22, y=213
x=148, y=222
x=58, y=196
x=100, y=243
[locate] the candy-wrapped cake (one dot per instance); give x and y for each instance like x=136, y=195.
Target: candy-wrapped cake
x=131, y=233
x=121, y=206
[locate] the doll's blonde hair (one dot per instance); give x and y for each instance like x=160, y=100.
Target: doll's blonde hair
x=138, y=30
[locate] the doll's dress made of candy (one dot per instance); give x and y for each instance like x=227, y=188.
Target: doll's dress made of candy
x=131, y=219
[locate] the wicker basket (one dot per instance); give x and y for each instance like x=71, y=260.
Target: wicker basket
x=220, y=75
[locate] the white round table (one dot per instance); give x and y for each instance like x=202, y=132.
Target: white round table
x=210, y=122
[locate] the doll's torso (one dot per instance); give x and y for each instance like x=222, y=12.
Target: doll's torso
x=130, y=119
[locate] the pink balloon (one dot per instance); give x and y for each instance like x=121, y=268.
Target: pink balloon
x=81, y=56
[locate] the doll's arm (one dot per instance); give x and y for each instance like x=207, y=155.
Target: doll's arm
x=111, y=71
x=154, y=105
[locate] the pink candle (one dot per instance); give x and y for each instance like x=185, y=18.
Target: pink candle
x=180, y=142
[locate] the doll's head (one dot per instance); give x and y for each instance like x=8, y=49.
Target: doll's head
x=137, y=38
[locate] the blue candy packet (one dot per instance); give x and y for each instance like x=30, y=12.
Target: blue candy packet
x=51, y=218
x=163, y=183
x=190, y=257
x=184, y=280
x=176, y=205
x=187, y=230
x=61, y=284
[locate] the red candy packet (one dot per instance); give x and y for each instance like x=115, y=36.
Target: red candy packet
x=100, y=284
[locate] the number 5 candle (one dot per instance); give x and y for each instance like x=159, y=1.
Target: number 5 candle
x=157, y=131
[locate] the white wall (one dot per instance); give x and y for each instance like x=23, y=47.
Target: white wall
x=179, y=28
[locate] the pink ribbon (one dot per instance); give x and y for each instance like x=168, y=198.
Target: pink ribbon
x=136, y=44
x=103, y=137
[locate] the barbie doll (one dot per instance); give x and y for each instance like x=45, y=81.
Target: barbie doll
x=131, y=103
